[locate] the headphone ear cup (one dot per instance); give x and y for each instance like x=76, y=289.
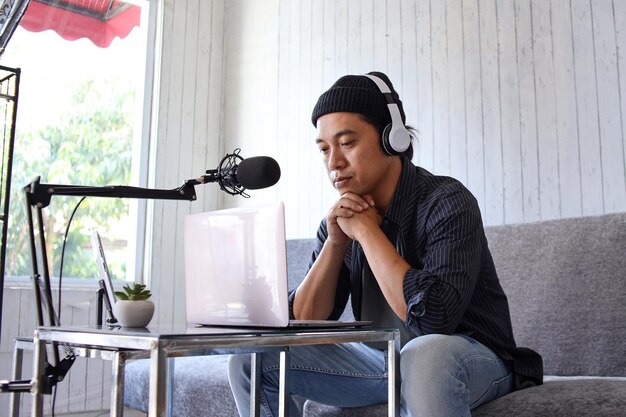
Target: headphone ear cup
x=395, y=141
x=385, y=141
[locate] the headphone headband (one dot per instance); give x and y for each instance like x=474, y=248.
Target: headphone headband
x=395, y=137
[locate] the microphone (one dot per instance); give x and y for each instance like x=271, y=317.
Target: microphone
x=235, y=174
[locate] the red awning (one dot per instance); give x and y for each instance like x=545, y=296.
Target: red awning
x=100, y=21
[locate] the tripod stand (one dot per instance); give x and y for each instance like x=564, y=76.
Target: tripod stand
x=37, y=196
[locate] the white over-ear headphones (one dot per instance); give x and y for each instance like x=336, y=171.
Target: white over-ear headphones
x=395, y=137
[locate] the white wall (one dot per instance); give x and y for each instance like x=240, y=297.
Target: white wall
x=188, y=136
x=523, y=101
x=88, y=384
x=520, y=100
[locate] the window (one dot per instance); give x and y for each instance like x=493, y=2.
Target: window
x=80, y=118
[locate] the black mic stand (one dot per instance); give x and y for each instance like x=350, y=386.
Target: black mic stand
x=37, y=196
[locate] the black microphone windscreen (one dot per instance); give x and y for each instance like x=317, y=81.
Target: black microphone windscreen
x=258, y=172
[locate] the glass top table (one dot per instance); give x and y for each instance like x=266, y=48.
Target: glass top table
x=158, y=343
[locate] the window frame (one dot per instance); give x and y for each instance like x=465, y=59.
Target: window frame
x=142, y=166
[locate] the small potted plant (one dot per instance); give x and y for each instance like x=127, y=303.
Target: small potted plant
x=132, y=308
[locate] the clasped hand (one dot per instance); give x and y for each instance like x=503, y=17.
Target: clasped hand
x=350, y=216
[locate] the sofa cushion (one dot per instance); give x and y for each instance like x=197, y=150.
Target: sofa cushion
x=298, y=258
x=599, y=397
x=200, y=384
x=200, y=387
x=559, y=398
x=565, y=280
x=566, y=285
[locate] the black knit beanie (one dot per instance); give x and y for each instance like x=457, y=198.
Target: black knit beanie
x=358, y=94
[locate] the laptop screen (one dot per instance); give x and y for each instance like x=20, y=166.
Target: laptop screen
x=236, y=267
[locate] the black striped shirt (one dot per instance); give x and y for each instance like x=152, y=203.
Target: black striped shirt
x=452, y=285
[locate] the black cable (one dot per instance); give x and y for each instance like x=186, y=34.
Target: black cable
x=67, y=230
x=54, y=400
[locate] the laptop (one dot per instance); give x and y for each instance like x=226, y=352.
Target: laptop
x=236, y=269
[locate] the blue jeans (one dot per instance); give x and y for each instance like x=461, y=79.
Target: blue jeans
x=441, y=376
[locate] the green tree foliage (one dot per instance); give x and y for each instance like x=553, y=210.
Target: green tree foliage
x=91, y=144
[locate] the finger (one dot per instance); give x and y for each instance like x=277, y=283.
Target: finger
x=341, y=212
x=353, y=201
x=369, y=199
x=365, y=200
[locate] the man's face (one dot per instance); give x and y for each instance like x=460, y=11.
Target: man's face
x=353, y=157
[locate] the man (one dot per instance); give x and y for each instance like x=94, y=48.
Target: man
x=410, y=249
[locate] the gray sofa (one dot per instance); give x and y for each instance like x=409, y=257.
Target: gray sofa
x=566, y=284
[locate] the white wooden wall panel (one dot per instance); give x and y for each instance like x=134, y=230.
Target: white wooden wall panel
x=587, y=107
x=620, y=32
x=567, y=139
x=609, y=115
x=441, y=79
x=472, y=98
x=250, y=99
x=456, y=85
x=529, y=171
x=87, y=385
x=510, y=113
x=546, y=108
x=187, y=136
x=409, y=53
x=164, y=272
x=492, y=140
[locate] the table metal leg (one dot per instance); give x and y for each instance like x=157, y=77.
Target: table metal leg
x=393, y=374
x=117, y=393
x=18, y=359
x=157, y=406
x=39, y=358
x=171, y=366
x=284, y=383
x=255, y=384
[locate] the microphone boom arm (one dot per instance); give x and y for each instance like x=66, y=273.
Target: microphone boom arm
x=38, y=196
x=41, y=194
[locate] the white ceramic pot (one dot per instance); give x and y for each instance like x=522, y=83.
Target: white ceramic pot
x=133, y=313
